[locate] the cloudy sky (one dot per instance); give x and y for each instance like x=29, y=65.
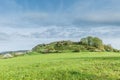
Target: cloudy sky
x=26, y=23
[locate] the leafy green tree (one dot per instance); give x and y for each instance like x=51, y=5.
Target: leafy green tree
x=108, y=48
x=84, y=41
x=98, y=43
x=90, y=41
x=93, y=42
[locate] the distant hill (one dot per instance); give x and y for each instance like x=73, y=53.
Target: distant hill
x=88, y=44
x=10, y=52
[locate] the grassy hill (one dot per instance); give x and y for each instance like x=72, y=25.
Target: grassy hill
x=70, y=66
x=88, y=59
x=88, y=44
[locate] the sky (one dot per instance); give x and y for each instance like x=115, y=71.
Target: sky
x=26, y=23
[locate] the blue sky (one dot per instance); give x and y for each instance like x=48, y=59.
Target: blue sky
x=26, y=23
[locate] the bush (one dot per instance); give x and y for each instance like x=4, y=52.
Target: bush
x=115, y=50
x=91, y=49
x=76, y=50
x=108, y=48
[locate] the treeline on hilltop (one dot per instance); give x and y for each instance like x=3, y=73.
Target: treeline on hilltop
x=88, y=44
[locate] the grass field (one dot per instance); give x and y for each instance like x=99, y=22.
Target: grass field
x=65, y=66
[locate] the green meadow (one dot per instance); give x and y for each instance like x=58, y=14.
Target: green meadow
x=62, y=66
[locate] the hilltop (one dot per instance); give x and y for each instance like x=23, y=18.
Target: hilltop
x=87, y=44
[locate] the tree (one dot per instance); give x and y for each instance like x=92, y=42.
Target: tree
x=90, y=40
x=108, y=48
x=84, y=41
x=98, y=43
x=93, y=42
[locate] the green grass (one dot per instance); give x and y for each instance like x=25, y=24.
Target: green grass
x=71, y=66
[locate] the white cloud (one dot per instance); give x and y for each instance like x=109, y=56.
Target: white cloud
x=23, y=30
x=26, y=38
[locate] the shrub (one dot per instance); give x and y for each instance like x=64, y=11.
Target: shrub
x=108, y=48
x=77, y=49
